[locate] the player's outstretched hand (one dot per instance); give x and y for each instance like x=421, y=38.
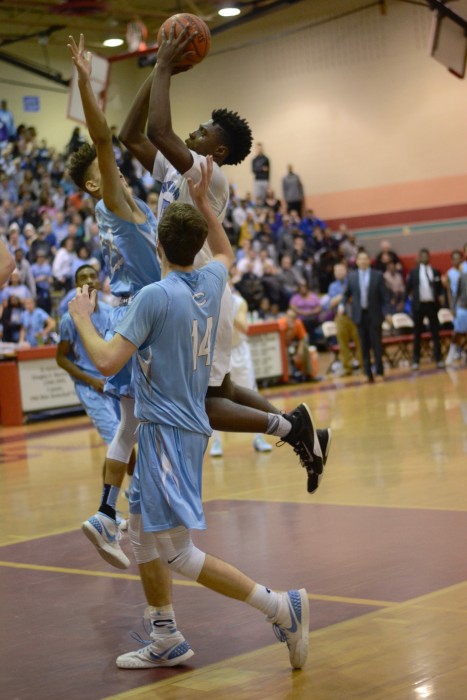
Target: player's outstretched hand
x=81, y=58
x=83, y=305
x=199, y=190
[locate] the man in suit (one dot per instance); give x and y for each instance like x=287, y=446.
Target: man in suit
x=369, y=303
x=424, y=286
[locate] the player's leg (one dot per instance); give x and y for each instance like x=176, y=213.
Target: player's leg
x=296, y=428
x=101, y=528
x=287, y=611
x=167, y=647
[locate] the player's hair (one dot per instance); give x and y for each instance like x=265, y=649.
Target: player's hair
x=238, y=136
x=79, y=164
x=182, y=231
x=83, y=267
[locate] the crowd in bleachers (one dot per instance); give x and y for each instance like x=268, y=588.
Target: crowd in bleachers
x=288, y=264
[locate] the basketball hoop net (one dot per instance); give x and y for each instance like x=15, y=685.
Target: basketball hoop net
x=136, y=35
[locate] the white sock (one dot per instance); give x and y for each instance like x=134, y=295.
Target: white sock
x=162, y=619
x=278, y=425
x=265, y=600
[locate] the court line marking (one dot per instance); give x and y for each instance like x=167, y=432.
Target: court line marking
x=181, y=582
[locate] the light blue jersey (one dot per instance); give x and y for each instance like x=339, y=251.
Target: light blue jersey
x=68, y=332
x=33, y=322
x=102, y=409
x=173, y=324
x=128, y=249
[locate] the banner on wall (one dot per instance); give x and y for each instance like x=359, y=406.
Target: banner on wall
x=44, y=385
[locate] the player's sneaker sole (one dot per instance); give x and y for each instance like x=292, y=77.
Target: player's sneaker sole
x=324, y=438
x=110, y=552
x=146, y=658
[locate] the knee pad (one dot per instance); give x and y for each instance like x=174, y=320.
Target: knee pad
x=144, y=544
x=177, y=551
x=125, y=438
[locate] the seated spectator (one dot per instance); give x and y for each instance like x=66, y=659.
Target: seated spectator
x=44, y=243
x=16, y=238
x=251, y=289
x=11, y=320
x=251, y=262
x=271, y=201
x=36, y=325
x=296, y=341
x=395, y=284
x=348, y=249
x=381, y=259
x=273, y=289
x=325, y=269
x=307, y=307
x=310, y=222
x=15, y=288
x=83, y=256
x=42, y=273
x=62, y=266
x=305, y=268
x=288, y=278
x=249, y=228
x=24, y=270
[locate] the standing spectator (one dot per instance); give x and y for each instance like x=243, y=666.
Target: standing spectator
x=307, y=306
x=369, y=306
x=292, y=190
x=460, y=321
x=36, y=324
x=260, y=167
x=395, y=284
x=346, y=330
x=42, y=273
x=425, y=289
x=453, y=276
x=7, y=123
x=348, y=249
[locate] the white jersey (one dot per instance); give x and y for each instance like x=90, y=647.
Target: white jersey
x=242, y=369
x=175, y=189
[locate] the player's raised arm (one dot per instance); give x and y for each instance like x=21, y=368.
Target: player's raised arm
x=111, y=185
x=160, y=130
x=217, y=238
x=133, y=132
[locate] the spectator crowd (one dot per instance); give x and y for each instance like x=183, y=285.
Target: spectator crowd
x=289, y=263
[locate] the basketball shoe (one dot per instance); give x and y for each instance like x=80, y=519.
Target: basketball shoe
x=260, y=444
x=170, y=649
x=105, y=534
x=304, y=439
x=324, y=439
x=216, y=448
x=291, y=625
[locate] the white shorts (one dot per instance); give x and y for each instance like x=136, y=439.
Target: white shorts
x=223, y=347
x=242, y=371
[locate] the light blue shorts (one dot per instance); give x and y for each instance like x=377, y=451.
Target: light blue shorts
x=460, y=321
x=102, y=409
x=119, y=384
x=166, y=486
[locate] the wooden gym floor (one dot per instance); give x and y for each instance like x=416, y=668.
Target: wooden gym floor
x=381, y=549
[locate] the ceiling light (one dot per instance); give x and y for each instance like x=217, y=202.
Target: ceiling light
x=229, y=12
x=110, y=43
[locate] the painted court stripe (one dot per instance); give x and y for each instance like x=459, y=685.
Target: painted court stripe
x=180, y=582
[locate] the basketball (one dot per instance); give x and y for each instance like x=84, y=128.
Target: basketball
x=199, y=44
